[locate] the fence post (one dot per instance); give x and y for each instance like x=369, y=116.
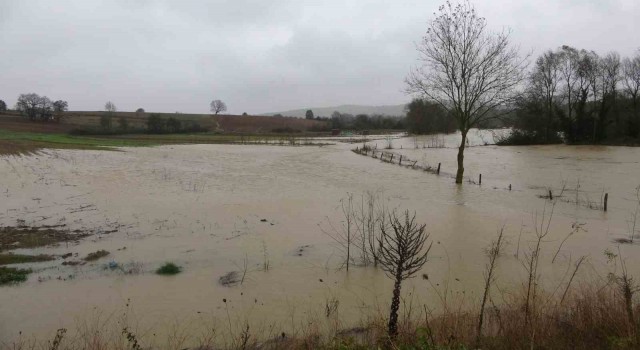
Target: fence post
x=606, y=200
x=400, y=163
x=438, y=172
x=480, y=180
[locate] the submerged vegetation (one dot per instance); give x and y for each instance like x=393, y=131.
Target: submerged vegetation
x=17, y=143
x=31, y=237
x=96, y=255
x=169, y=269
x=10, y=275
x=8, y=259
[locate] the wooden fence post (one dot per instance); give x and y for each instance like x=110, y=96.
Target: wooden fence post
x=438, y=172
x=606, y=200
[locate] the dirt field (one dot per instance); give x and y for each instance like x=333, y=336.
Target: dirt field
x=223, y=123
x=20, y=136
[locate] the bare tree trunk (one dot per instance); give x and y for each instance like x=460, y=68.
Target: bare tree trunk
x=460, y=172
x=395, y=306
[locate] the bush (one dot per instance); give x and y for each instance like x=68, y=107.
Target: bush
x=174, y=125
x=9, y=275
x=169, y=269
x=424, y=117
x=285, y=130
x=106, y=121
x=155, y=124
x=123, y=124
x=519, y=137
x=97, y=131
x=96, y=255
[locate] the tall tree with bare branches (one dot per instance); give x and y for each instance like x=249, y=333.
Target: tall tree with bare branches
x=473, y=73
x=217, y=106
x=543, y=86
x=631, y=81
x=401, y=254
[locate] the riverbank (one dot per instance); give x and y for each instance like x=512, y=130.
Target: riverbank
x=586, y=316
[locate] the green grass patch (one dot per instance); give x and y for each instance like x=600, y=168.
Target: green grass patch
x=17, y=143
x=169, y=269
x=7, y=259
x=10, y=275
x=32, y=237
x=12, y=142
x=96, y=255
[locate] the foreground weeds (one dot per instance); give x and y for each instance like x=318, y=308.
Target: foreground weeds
x=591, y=317
x=533, y=313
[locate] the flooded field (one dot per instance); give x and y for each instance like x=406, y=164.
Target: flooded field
x=263, y=212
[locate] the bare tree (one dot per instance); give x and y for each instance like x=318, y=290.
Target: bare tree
x=308, y=114
x=110, y=107
x=59, y=107
x=489, y=277
x=343, y=234
x=609, y=70
x=35, y=107
x=631, y=81
x=3, y=106
x=568, y=66
x=218, y=106
x=544, y=80
x=27, y=104
x=107, y=117
x=471, y=72
x=402, y=253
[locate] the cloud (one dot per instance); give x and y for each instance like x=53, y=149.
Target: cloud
x=259, y=56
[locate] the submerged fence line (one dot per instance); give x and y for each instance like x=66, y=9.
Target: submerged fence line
x=404, y=161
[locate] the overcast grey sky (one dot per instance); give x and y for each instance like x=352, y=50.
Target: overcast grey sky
x=261, y=55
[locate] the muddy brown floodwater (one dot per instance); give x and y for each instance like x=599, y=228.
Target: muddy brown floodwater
x=214, y=208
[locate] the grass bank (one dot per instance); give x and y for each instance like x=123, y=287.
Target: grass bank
x=591, y=316
x=19, y=143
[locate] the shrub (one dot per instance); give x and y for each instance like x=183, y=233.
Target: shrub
x=155, y=124
x=519, y=137
x=169, y=269
x=285, y=130
x=6, y=259
x=96, y=255
x=106, y=121
x=10, y=275
x=123, y=124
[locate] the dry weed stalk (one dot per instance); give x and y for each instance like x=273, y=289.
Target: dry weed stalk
x=489, y=278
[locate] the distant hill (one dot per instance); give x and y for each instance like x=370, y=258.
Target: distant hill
x=393, y=110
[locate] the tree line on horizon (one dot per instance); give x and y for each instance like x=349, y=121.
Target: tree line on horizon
x=570, y=95
x=577, y=96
